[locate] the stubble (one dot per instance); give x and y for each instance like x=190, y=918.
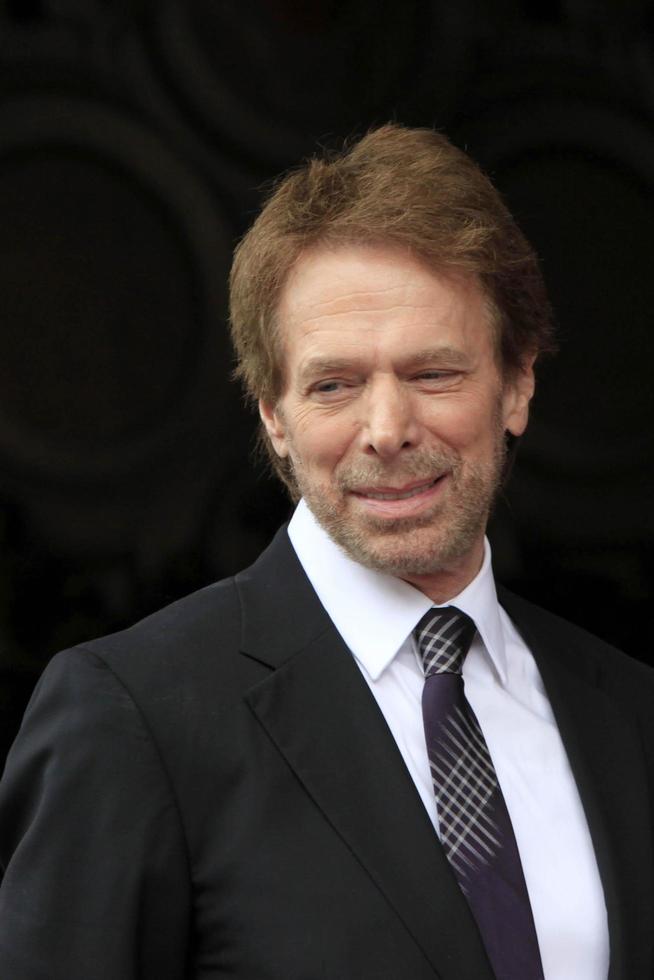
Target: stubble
x=432, y=542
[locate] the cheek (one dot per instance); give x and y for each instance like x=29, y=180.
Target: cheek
x=463, y=427
x=320, y=441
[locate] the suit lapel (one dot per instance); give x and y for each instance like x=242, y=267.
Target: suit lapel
x=607, y=761
x=321, y=715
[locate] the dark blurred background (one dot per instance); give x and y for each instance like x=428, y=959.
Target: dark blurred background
x=136, y=140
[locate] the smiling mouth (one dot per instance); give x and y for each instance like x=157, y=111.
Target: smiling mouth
x=399, y=494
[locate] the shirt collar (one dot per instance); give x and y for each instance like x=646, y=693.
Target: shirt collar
x=375, y=612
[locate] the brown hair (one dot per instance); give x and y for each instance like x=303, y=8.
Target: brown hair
x=396, y=186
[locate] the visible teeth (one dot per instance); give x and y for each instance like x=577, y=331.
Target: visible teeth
x=401, y=496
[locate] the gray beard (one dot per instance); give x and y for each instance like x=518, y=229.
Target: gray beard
x=429, y=543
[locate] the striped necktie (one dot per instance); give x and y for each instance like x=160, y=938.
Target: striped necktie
x=474, y=823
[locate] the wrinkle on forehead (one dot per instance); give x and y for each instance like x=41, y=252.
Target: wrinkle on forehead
x=309, y=312
x=312, y=316
x=339, y=294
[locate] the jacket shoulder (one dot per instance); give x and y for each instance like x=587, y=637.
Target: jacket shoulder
x=186, y=654
x=624, y=678
x=183, y=629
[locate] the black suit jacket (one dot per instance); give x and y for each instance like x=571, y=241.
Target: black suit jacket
x=215, y=793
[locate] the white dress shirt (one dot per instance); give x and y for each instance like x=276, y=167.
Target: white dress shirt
x=376, y=614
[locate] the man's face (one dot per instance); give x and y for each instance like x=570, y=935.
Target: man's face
x=393, y=411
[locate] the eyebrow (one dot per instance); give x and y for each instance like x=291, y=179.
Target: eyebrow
x=443, y=356
x=448, y=356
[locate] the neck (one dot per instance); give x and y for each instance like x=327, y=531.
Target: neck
x=444, y=584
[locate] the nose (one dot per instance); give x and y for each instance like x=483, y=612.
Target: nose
x=390, y=424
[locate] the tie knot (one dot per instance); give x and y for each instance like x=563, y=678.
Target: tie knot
x=444, y=637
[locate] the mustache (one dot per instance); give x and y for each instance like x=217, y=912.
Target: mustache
x=423, y=464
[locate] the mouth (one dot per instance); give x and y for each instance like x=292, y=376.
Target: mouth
x=401, y=493
x=404, y=501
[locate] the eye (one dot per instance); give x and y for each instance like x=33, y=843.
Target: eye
x=326, y=387
x=436, y=376
x=332, y=389
x=435, y=380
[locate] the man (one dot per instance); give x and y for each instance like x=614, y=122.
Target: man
x=351, y=760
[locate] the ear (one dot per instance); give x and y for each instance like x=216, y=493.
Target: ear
x=516, y=396
x=273, y=421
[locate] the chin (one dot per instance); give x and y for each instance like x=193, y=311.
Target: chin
x=405, y=552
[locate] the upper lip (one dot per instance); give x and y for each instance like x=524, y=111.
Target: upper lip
x=425, y=482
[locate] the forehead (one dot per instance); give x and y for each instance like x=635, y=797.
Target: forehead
x=354, y=294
